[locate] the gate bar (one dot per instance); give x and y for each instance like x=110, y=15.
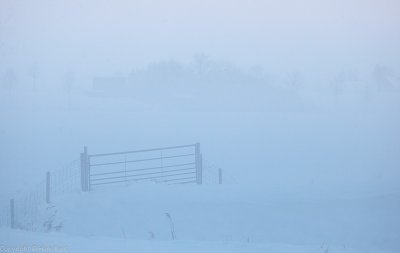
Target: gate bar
x=144, y=178
x=142, y=150
x=150, y=168
x=143, y=174
x=140, y=160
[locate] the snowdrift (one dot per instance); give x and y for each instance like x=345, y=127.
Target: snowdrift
x=228, y=214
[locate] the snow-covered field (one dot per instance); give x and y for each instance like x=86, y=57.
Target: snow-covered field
x=19, y=241
x=300, y=182
x=219, y=218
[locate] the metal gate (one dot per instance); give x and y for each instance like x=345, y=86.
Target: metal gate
x=171, y=165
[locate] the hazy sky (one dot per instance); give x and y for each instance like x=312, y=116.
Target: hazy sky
x=118, y=35
x=91, y=38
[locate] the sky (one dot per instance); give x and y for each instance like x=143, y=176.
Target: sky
x=354, y=141
x=119, y=35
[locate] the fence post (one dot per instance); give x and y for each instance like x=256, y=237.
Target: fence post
x=87, y=165
x=201, y=169
x=48, y=187
x=12, y=213
x=219, y=175
x=84, y=170
x=199, y=166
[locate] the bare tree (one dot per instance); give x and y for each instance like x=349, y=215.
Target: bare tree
x=201, y=63
x=9, y=79
x=34, y=73
x=69, y=82
x=293, y=80
x=68, y=85
x=383, y=78
x=338, y=85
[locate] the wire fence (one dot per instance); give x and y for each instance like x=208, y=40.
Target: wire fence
x=4, y=216
x=25, y=210
x=28, y=204
x=213, y=174
x=67, y=179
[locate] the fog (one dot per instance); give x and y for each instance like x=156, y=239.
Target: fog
x=286, y=94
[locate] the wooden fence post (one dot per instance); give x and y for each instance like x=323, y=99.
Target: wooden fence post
x=12, y=213
x=84, y=170
x=219, y=175
x=199, y=164
x=87, y=166
x=48, y=187
x=201, y=169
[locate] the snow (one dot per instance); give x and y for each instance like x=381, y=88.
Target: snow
x=21, y=241
x=218, y=218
